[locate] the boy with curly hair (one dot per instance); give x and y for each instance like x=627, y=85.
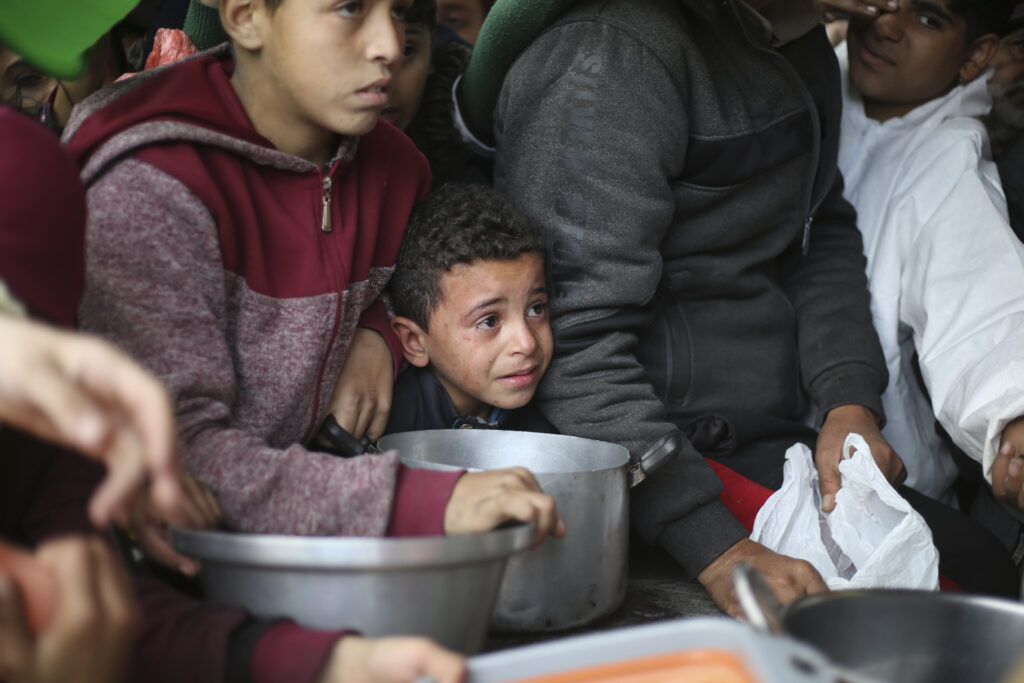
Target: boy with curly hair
x=471, y=300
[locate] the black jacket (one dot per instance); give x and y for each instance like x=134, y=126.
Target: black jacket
x=421, y=402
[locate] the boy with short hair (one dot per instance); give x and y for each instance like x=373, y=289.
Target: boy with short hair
x=413, y=69
x=421, y=100
x=465, y=16
x=245, y=214
x=471, y=300
x=945, y=270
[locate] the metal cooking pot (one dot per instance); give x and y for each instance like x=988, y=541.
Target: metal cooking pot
x=566, y=582
x=442, y=587
x=895, y=636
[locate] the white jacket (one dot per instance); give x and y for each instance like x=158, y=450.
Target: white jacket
x=946, y=275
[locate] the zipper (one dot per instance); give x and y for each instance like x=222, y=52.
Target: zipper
x=326, y=226
x=325, y=221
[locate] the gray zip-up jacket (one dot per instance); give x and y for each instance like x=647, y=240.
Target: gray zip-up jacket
x=703, y=260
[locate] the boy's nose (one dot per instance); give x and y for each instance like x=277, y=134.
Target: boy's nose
x=386, y=37
x=889, y=25
x=524, y=339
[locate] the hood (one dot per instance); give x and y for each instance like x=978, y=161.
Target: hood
x=190, y=101
x=42, y=244
x=971, y=100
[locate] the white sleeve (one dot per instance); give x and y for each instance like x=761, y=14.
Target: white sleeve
x=962, y=294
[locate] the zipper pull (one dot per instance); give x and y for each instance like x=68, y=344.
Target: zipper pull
x=807, y=234
x=325, y=223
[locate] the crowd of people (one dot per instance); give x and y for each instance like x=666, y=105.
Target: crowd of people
x=703, y=230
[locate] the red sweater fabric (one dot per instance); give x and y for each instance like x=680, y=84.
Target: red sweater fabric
x=42, y=214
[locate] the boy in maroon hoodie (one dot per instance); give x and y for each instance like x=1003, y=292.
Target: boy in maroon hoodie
x=245, y=212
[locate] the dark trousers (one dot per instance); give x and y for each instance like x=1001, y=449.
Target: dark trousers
x=969, y=554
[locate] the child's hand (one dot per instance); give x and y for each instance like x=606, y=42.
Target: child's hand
x=149, y=527
x=1008, y=468
x=391, y=660
x=84, y=393
x=483, y=500
x=362, y=398
x=91, y=635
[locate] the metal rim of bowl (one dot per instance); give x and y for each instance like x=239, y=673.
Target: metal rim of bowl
x=351, y=552
x=608, y=455
x=910, y=598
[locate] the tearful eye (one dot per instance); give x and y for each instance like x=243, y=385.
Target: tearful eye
x=488, y=323
x=538, y=309
x=930, y=21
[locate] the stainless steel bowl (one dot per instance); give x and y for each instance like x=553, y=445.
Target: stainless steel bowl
x=568, y=582
x=443, y=587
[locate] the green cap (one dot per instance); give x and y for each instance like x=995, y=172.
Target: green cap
x=53, y=34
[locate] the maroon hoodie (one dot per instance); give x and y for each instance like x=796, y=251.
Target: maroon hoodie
x=44, y=489
x=238, y=275
x=42, y=209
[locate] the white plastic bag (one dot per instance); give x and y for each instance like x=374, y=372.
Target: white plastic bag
x=872, y=539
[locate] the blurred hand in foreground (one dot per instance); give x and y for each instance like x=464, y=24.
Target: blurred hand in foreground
x=83, y=393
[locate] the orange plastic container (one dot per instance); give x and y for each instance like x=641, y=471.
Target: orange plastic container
x=694, y=666
x=689, y=650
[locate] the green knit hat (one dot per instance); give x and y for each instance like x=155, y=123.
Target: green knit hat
x=53, y=34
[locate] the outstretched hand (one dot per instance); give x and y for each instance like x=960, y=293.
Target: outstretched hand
x=91, y=633
x=83, y=393
x=1008, y=467
x=483, y=500
x=788, y=578
x=391, y=660
x=828, y=452
x=151, y=528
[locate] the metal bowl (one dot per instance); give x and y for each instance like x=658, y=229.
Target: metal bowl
x=443, y=587
x=568, y=582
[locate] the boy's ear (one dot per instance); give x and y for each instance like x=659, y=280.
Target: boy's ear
x=982, y=50
x=413, y=338
x=241, y=20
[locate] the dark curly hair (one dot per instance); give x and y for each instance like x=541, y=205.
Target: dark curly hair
x=456, y=223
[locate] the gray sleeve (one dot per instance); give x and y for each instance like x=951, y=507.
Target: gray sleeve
x=841, y=359
x=590, y=128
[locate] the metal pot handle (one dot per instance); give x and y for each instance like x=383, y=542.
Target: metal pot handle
x=663, y=450
x=759, y=605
